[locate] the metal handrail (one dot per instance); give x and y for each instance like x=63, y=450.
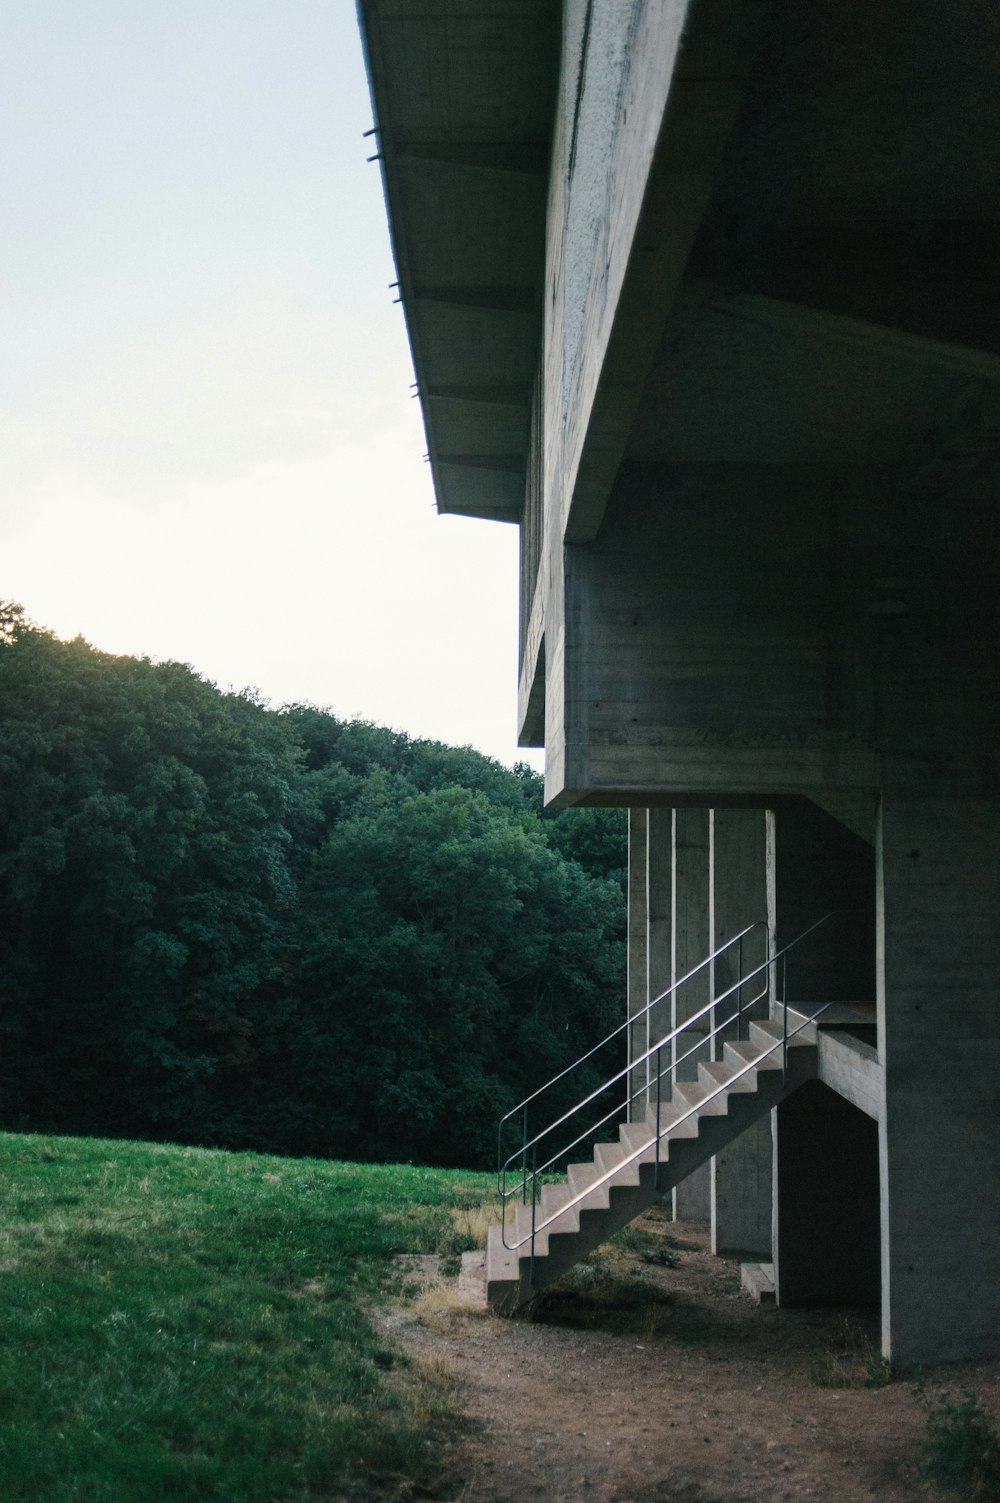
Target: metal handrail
x=662, y=1132
x=530, y=1145
x=628, y=1069
x=595, y=1127
x=522, y=1106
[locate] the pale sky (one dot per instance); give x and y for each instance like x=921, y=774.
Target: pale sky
x=208, y=450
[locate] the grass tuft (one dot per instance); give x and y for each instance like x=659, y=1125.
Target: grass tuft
x=852, y=1361
x=961, y=1450
x=650, y=1247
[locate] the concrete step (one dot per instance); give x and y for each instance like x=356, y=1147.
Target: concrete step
x=637, y=1136
x=741, y=1052
x=675, y=1121
x=758, y=1281
x=582, y=1178
x=618, y=1157
x=703, y=1095
x=715, y=1072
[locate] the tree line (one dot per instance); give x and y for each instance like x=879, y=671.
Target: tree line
x=226, y=924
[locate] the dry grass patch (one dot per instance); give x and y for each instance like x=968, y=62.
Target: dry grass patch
x=444, y=1308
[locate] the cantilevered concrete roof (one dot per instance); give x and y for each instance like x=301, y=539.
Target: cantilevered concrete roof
x=463, y=93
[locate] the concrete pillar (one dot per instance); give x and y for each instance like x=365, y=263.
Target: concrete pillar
x=742, y=1201
x=741, y=859
x=939, y=1037
x=823, y=867
x=659, y=936
x=826, y=1238
x=690, y=944
x=826, y=1168
x=638, y=923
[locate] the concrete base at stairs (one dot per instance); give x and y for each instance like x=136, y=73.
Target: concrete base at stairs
x=472, y=1279
x=758, y=1281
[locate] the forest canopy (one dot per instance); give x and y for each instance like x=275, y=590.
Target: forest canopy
x=239, y=926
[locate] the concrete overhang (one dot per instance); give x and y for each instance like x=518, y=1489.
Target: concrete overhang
x=463, y=96
x=747, y=259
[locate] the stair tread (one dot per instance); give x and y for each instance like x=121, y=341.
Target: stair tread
x=750, y=1054
x=721, y=1073
x=702, y=1094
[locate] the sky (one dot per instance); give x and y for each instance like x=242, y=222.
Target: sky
x=208, y=447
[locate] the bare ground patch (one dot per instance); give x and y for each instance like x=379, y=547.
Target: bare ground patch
x=678, y=1391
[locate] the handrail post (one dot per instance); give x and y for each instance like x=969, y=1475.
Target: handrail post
x=534, y=1187
x=524, y=1156
x=784, y=1017
x=659, y=1079
x=739, y=991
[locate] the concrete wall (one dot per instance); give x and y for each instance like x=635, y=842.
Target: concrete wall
x=707, y=663
x=823, y=868
x=938, y=862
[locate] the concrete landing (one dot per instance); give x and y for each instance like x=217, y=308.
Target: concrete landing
x=758, y=1281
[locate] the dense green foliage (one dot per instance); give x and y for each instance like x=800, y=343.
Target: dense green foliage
x=231, y=925
x=192, y=1325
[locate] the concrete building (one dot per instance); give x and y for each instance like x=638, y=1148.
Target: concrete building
x=702, y=295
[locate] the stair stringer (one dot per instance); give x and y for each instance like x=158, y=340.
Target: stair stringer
x=514, y=1277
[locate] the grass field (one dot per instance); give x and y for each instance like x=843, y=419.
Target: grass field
x=179, y=1323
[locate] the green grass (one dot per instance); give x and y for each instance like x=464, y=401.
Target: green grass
x=649, y=1247
x=183, y=1324
x=962, y=1449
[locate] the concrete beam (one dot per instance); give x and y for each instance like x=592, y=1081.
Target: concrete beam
x=928, y=277
x=817, y=326
x=659, y=200
x=518, y=158
x=495, y=299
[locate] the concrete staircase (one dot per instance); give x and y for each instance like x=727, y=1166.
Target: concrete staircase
x=623, y=1178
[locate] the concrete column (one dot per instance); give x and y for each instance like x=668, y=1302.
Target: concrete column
x=659, y=938
x=741, y=860
x=826, y=1238
x=690, y=944
x=823, y=867
x=826, y=1169
x=638, y=923
x=742, y=892
x=939, y=1037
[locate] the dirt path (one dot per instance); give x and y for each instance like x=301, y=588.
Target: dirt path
x=690, y=1395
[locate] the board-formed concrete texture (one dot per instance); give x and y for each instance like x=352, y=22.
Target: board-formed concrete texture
x=702, y=294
